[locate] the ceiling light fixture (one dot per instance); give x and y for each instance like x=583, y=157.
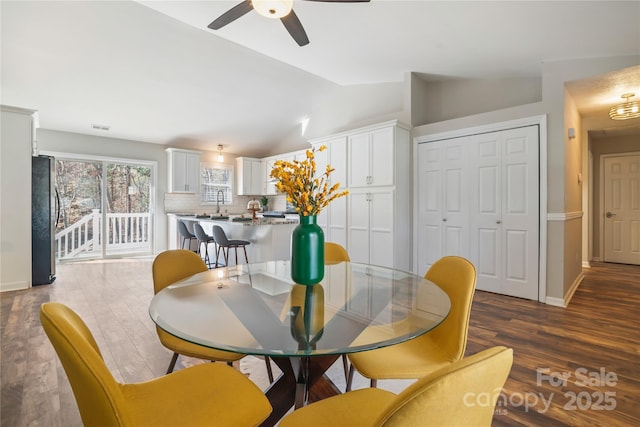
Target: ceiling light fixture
x=626, y=110
x=220, y=156
x=273, y=8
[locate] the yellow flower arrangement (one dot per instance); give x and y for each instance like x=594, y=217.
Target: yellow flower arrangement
x=306, y=192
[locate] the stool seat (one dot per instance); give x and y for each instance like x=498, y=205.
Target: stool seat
x=203, y=238
x=186, y=235
x=224, y=244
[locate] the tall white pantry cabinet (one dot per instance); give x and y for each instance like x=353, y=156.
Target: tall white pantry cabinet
x=373, y=221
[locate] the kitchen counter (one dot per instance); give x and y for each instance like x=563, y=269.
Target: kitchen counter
x=270, y=237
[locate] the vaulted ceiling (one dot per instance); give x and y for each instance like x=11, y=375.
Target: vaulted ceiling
x=153, y=71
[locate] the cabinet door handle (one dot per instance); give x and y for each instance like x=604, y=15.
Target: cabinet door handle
x=444, y=219
x=498, y=222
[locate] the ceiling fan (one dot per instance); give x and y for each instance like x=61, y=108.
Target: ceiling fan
x=282, y=9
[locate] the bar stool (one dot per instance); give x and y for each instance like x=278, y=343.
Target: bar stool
x=203, y=238
x=224, y=244
x=186, y=235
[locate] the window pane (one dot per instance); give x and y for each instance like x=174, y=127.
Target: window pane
x=215, y=184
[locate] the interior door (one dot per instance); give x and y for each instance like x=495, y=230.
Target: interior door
x=622, y=209
x=505, y=211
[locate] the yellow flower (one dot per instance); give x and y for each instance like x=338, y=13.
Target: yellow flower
x=306, y=192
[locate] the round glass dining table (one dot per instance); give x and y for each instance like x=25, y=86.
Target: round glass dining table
x=256, y=309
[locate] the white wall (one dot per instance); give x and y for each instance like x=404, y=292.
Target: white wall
x=52, y=141
x=15, y=198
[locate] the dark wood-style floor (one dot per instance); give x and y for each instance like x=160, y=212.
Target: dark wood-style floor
x=595, y=341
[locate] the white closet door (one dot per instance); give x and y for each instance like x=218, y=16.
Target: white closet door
x=443, y=212
x=505, y=211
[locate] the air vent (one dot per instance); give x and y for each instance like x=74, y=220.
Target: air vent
x=100, y=127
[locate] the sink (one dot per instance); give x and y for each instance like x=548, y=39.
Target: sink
x=219, y=217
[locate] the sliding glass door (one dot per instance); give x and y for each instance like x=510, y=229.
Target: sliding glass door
x=105, y=208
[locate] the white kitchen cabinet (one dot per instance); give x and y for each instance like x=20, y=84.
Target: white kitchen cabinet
x=372, y=222
x=184, y=171
x=371, y=230
x=371, y=157
x=333, y=219
x=269, y=184
x=249, y=177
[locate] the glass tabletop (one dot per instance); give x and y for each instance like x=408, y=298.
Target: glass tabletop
x=256, y=309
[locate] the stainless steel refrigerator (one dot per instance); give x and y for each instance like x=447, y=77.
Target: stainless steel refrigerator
x=43, y=220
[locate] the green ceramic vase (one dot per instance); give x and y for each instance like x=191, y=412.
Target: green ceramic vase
x=307, y=252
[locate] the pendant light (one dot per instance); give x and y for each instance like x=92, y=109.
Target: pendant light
x=220, y=156
x=626, y=110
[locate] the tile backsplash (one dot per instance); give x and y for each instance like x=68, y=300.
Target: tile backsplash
x=190, y=203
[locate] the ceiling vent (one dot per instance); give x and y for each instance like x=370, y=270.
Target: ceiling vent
x=100, y=127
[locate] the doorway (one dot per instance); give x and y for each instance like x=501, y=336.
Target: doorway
x=621, y=208
x=105, y=208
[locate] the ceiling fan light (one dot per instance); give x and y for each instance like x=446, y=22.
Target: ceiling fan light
x=626, y=110
x=273, y=8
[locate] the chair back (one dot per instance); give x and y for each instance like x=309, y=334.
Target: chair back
x=457, y=277
x=464, y=393
x=98, y=395
x=184, y=231
x=220, y=236
x=335, y=253
x=173, y=265
x=200, y=234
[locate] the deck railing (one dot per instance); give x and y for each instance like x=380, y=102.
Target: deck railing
x=126, y=232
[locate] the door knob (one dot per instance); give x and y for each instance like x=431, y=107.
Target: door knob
x=609, y=214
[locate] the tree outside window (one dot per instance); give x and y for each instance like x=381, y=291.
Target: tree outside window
x=216, y=183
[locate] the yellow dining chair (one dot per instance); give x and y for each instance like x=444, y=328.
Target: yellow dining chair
x=439, y=347
x=462, y=394
x=169, y=267
x=210, y=394
x=333, y=254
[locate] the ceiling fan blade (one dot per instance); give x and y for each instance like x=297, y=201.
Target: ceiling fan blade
x=294, y=26
x=231, y=15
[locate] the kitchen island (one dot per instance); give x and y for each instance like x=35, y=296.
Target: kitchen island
x=270, y=237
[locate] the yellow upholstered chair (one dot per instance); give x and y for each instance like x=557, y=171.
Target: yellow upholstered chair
x=169, y=267
x=463, y=393
x=437, y=348
x=334, y=253
x=208, y=394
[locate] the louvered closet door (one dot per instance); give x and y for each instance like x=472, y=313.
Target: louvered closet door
x=505, y=211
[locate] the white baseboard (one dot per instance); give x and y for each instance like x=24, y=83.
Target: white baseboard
x=13, y=286
x=564, y=302
x=558, y=302
x=586, y=264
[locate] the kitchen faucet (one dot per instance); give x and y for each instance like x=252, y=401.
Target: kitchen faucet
x=218, y=195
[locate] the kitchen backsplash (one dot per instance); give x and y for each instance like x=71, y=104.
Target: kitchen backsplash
x=190, y=203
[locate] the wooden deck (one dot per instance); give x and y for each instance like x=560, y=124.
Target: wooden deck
x=598, y=333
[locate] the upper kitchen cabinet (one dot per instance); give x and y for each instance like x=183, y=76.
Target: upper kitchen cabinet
x=184, y=171
x=372, y=154
x=336, y=156
x=249, y=177
x=269, y=183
